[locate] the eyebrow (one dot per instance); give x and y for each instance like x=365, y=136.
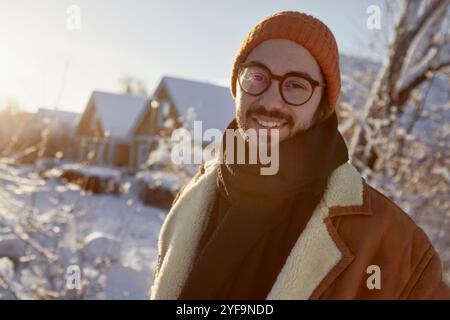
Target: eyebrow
x=300, y=73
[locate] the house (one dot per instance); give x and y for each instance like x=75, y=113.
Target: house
x=122, y=129
x=59, y=119
x=104, y=132
x=61, y=127
x=178, y=101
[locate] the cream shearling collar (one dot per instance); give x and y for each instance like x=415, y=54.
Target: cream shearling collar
x=317, y=252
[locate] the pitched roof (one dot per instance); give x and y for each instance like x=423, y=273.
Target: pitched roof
x=117, y=112
x=213, y=104
x=69, y=118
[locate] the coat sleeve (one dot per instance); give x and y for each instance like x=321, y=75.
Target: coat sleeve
x=427, y=282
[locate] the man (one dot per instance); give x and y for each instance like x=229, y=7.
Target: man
x=313, y=230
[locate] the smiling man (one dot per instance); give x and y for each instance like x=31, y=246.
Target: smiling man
x=297, y=82
x=313, y=230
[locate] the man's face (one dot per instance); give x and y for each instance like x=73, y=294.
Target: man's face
x=256, y=112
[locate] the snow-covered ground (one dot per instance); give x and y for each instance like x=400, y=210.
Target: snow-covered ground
x=46, y=226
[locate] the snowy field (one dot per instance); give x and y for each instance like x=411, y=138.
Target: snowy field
x=46, y=226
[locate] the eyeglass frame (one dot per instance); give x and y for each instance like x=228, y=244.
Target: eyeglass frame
x=314, y=83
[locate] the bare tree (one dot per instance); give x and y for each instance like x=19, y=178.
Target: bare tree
x=400, y=138
x=421, y=48
x=133, y=85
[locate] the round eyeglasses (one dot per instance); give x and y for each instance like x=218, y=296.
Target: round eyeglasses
x=296, y=88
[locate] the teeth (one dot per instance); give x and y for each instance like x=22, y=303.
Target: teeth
x=269, y=124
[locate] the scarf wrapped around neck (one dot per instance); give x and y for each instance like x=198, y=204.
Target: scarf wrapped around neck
x=259, y=203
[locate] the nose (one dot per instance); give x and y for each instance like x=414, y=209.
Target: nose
x=271, y=99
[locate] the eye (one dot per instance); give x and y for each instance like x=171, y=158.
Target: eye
x=295, y=84
x=255, y=76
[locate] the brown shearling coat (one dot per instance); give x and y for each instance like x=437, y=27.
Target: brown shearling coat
x=353, y=229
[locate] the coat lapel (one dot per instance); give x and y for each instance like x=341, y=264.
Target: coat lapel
x=181, y=233
x=316, y=259
x=320, y=255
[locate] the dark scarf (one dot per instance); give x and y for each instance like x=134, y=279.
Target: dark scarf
x=257, y=204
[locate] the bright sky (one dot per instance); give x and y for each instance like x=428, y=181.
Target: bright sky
x=44, y=63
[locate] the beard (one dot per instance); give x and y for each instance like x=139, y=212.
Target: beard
x=257, y=109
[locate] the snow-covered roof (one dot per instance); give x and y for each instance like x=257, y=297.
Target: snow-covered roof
x=117, y=112
x=68, y=117
x=213, y=104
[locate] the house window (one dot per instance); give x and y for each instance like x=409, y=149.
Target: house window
x=143, y=153
x=164, y=113
x=165, y=109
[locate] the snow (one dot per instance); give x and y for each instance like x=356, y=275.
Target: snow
x=118, y=112
x=99, y=244
x=423, y=53
x=160, y=157
x=119, y=277
x=6, y=269
x=356, y=87
x=213, y=104
x=112, y=238
x=356, y=79
x=165, y=180
x=161, y=160
x=97, y=171
x=69, y=118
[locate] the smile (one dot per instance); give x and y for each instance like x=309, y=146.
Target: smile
x=268, y=122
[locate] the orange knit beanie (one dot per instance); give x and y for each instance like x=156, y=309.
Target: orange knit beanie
x=305, y=30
